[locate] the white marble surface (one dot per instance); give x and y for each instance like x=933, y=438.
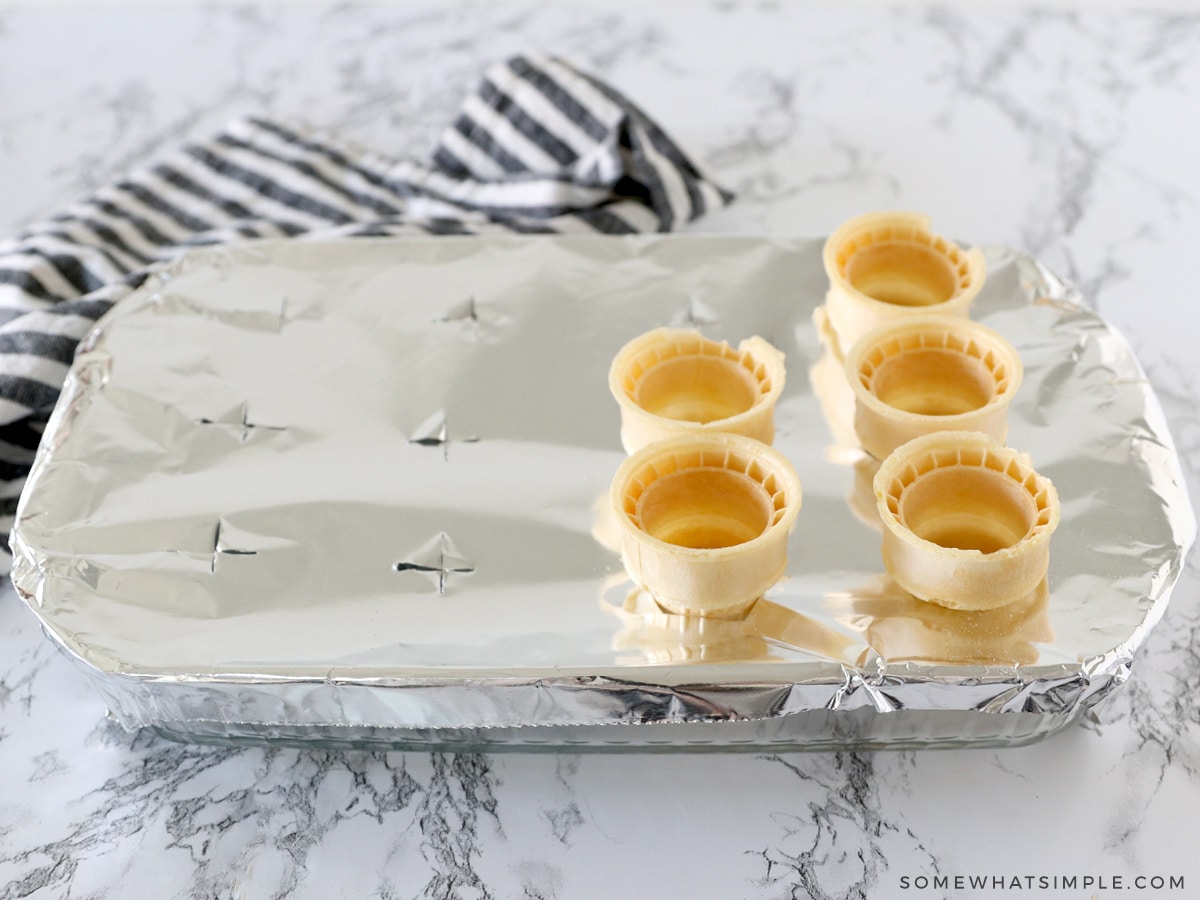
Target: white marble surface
x=1072, y=135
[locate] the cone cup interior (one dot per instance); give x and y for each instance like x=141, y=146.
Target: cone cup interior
x=669, y=381
x=931, y=373
x=705, y=520
x=888, y=264
x=967, y=521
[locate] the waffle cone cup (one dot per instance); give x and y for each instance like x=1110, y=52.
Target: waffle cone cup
x=674, y=381
x=918, y=375
x=704, y=520
x=888, y=265
x=966, y=521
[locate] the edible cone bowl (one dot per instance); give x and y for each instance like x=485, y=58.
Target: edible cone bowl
x=705, y=519
x=912, y=377
x=673, y=381
x=966, y=521
x=888, y=265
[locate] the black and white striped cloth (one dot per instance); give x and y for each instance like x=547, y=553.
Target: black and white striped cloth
x=540, y=147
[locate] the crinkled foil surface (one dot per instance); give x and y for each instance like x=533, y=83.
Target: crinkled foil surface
x=354, y=492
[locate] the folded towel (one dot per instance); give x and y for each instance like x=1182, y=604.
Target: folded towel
x=540, y=147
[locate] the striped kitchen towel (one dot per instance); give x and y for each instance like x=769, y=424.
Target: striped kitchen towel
x=540, y=147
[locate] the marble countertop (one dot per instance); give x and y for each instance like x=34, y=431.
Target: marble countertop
x=1072, y=136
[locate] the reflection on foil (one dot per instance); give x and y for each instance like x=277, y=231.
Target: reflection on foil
x=605, y=527
x=832, y=390
x=830, y=386
x=651, y=634
x=901, y=628
x=862, y=498
x=767, y=630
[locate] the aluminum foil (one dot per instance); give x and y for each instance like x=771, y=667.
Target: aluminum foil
x=354, y=492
